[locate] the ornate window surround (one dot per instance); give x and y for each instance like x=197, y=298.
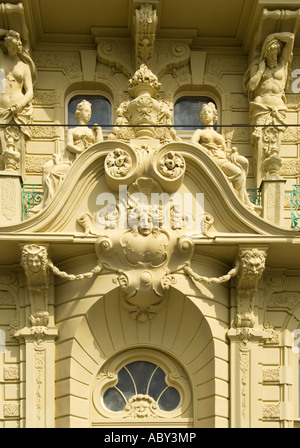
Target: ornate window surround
x=107, y=377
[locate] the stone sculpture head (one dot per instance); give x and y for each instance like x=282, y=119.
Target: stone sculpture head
x=13, y=43
x=83, y=111
x=34, y=258
x=271, y=51
x=208, y=114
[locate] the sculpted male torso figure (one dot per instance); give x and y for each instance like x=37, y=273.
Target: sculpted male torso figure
x=267, y=78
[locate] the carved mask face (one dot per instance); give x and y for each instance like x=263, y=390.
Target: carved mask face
x=34, y=263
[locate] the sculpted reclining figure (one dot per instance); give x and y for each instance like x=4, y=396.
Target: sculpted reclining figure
x=79, y=138
x=233, y=165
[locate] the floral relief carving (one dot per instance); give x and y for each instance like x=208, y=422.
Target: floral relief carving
x=68, y=62
x=11, y=373
x=271, y=375
x=118, y=163
x=270, y=335
x=11, y=409
x=283, y=300
x=172, y=165
x=244, y=368
x=271, y=410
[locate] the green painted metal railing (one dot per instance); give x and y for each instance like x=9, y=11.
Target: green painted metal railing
x=295, y=206
x=32, y=194
x=254, y=195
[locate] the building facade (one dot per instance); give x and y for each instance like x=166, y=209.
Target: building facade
x=149, y=192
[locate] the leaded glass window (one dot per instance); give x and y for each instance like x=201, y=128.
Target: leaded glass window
x=143, y=382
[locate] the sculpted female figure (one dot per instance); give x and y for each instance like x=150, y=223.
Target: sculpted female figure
x=79, y=138
x=267, y=78
x=233, y=165
x=17, y=85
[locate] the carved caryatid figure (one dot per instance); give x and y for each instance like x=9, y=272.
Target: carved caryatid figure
x=233, y=165
x=79, y=138
x=20, y=75
x=265, y=82
x=267, y=78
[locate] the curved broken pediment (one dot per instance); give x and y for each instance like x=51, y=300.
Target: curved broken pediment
x=195, y=172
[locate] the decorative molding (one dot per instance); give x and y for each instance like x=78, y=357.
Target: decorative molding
x=271, y=375
x=270, y=335
x=290, y=167
x=271, y=410
x=45, y=98
x=244, y=368
x=129, y=54
x=145, y=22
x=46, y=132
x=34, y=164
x=68, y=62
x=284, y=299
x=11, y=373
x=11, y=410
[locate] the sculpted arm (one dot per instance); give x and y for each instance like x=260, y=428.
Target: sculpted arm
x=196, y=136
x=256, y=72
x=288, y=40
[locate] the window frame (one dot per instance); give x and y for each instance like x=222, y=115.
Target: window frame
x=175, y=377
x=186, y=134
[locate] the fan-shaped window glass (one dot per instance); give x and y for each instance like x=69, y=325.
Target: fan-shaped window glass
x=187, y=111
x=143, y=380
x=101, y=110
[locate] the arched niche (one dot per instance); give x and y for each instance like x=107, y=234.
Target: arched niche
x=178, y=338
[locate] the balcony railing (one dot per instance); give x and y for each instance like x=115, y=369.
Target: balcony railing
x=32, y=194
x=254, y=195
x=295, y=207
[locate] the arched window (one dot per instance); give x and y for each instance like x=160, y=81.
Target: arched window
x=187, y=112
x=141, y=381
x=101, y=110
x=142, y=384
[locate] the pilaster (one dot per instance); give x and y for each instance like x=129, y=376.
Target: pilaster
x=38, y=340
x=245, y=336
